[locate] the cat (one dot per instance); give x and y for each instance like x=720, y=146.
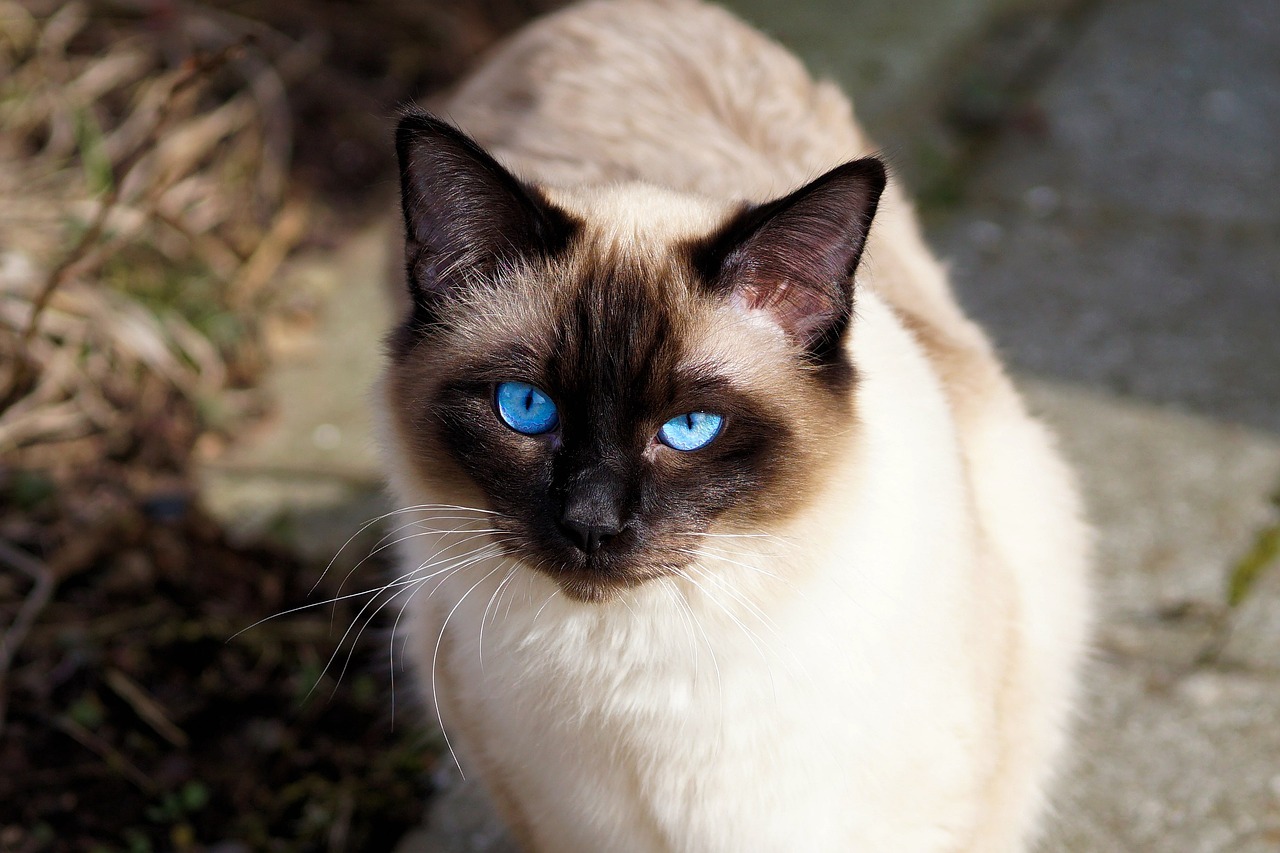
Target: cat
x=707, y=543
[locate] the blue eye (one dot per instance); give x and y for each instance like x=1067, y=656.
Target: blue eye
x=690, y=431
x=525, y=408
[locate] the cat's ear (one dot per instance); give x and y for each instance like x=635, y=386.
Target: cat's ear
x=464, y=213
x=794, y=258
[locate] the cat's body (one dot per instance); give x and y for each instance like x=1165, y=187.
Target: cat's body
x=867, y=638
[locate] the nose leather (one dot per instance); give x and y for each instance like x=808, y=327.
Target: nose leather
x=593, y=510
x=589, y=537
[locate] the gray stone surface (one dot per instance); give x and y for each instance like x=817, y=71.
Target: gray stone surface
x=459, y=820
x=1172, y=754
x=1132, y=240
x=891, y=54
x=309, y=476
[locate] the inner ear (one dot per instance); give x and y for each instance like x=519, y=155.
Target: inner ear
x=794, y=258
x=465, y=214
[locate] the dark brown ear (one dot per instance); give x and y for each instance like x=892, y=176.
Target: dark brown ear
x=794, y=258
x=463, y=212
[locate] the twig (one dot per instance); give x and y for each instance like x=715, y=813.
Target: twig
x=289, y=227
x=115, y=759
x=35, y=602
x=151, y=712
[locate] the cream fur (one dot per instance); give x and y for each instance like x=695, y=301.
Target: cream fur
x=891, y=671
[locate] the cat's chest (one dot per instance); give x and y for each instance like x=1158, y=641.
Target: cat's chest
x=654, y=671
x=644, y=662
x=648, y=717
x=663, y=678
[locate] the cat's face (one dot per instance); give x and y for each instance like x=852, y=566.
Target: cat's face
x=612, y=390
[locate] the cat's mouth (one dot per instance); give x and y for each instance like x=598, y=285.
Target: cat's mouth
x=600, y=576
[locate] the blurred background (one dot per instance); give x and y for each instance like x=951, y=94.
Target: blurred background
x=196, y=207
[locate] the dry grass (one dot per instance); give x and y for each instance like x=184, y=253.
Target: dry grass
x=139, y=190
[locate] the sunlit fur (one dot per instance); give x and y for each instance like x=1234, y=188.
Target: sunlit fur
x=878, y=651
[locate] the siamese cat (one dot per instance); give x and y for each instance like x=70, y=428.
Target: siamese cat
x=723, y=529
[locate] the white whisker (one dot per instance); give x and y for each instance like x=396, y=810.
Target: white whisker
x=544, y=606
x=715, y=663
x=407, y=579
x=384, y=545
x=496, y=592
x=761, y=616
x=435, y=657
x=756, y=641
x=366, y=525
x=668, y=585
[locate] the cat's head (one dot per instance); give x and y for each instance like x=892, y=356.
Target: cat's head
x=617, y=371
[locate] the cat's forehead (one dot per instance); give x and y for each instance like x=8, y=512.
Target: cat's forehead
x=623, y=304
x=616, y=313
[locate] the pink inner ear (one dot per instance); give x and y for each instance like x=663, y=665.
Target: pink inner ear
x=797, y=309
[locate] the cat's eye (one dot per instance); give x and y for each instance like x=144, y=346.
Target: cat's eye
x=525, y=408
x=690, y=431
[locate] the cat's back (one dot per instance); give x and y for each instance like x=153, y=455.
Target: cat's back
x=606, y=91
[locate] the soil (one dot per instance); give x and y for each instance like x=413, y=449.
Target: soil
x=141, y=718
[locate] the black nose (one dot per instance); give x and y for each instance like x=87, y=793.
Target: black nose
x=593, y=511
x=587, y=536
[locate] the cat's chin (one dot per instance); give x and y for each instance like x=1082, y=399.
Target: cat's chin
x=586, y=588
x=587, y=584
x=590, y=592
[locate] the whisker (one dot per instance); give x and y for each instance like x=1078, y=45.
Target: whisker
x=503, y=588
x=351, y=650
x=800, y=592
x=761, y=616
x=544, y=606
x=751, y=606
x=401, y=581
x=366, y=525
x=756, y=641
x=770, y=537
x=382, y=542
x=717, y=555
x=510, y=596
x=496, y=592
x=435, y=657
x=395, y=628
x=422, y=522
x=472, y=534
x=711, y=650
x=404, y=580
x=674, y=594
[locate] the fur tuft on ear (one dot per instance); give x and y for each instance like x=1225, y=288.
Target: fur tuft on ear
x=463, y=212
x=794, y=257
